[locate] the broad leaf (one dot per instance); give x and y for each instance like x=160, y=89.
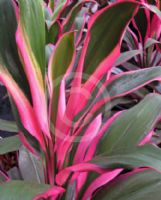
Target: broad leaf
x=15, y=190
x=125, y=83
x=9, y=126
x=102, y=28
x=64, y=49
x=144, y=156
x=138, y=185
x=132, y=125
x=118, y=86
x=9, y=144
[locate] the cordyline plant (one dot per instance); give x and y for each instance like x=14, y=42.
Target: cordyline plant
x=61, y=87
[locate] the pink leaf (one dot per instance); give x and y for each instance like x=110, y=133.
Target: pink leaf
x=100, y=181
x=54, y=192
x=87, y=138
x=63, y=175
x=25, y=110
x=35, y=79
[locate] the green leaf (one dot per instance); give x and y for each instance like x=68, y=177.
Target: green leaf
x=60, y=61
x=125, y=56
x=143, y=185
x=132, y=125
x=141, y=22
x=16, y=190
x=143, y=156
x=132, y=81
x=104, y=35
x=33, y=24
x=151, y=42
x=52, y=33
x=9, y=126
x=62, y=56
x=9, y=57
x=58, y=8
x=30, y=166
x=122, y=84
x=9, y=144
x=72, y=16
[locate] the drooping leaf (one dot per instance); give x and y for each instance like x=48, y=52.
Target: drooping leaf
x=9, y=126
x=15, y=190
x=125, y=56
x=9, y=144
x=137, y=185
x=143, y=156
x=119, y=85
x=125, y=83
x=132, y=126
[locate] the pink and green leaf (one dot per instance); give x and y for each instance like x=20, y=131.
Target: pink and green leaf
x=9, y=58
x=61, y=60
x=24, y=107
x=31, y=46
x=139, y=184
x=132, y=126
